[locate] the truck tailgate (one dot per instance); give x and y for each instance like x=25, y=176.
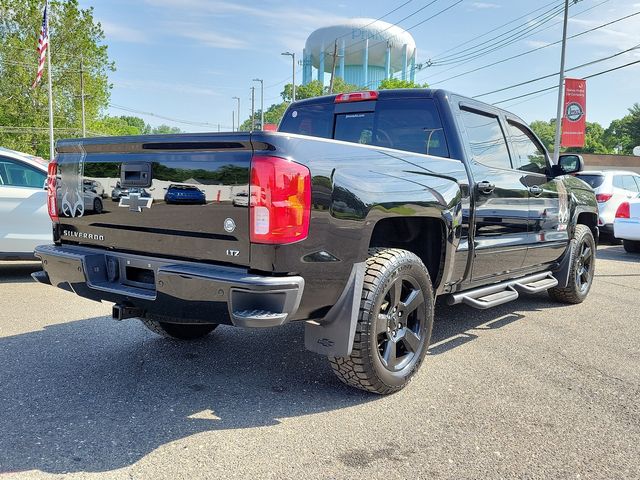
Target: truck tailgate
x=175, y=196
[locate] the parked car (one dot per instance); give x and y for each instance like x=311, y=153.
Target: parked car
x=24, y=222
x=612, y=187
x=94, y=186
x=184, y=194
x=626, y=225
x=431, y=194
x=241, y=199
x=119, y=192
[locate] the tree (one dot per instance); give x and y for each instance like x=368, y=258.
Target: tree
x=389, y=83
x=163, y=129
x=74, y=35
x=316, y=89
x=546, y=132
x=624, y=134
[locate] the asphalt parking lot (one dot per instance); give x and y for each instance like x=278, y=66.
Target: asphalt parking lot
x=531, y=389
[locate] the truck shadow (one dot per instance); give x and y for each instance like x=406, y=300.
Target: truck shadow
x=90, y=395
x=18, y=272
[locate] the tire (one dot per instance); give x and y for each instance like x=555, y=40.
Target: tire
x=394, y=323
x=582, y=249
x=181, y=331
x=97, y=206
x=631, y=246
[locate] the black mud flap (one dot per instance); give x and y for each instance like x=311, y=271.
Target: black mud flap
x=334, y=336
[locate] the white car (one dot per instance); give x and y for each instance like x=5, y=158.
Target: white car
x=24, y=220
x=626, y=225
x=612, y=187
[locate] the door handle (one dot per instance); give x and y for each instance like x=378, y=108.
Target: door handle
x=486, y=187
x=535, y=190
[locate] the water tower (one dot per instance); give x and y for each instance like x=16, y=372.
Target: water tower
x=366, y=52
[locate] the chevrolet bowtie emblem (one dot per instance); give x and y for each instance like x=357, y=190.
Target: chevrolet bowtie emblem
x=135, y=202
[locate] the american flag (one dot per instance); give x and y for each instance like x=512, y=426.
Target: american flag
x=43, y=44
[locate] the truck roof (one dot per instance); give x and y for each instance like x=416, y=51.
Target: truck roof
x=413, y=93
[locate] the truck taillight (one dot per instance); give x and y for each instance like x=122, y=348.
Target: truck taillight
x=623, y=210
x=356, y=96
x=280, y=200
x=603, y=197
x=52, y=175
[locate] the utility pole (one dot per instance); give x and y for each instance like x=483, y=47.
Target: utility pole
x=333, y=68
x=556, y=145
x=261, y=101
x=293, y=57
x=84, y=124
x=253, y=104
x=238, y=99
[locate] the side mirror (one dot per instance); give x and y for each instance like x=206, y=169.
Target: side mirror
x=570, y=163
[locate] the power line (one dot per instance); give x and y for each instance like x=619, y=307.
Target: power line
x=524, y=37
x=555, y=87
x=593, y=62
x=163, y=117
x=493, y=30
x=516, y=32
x=537, y=48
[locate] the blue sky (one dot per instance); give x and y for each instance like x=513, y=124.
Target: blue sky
x=186, y=59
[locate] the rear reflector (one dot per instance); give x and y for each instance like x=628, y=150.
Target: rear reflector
x=52, y=175
x=623, y=210
x=356, y=96
x=603, y=197
x=280, y=193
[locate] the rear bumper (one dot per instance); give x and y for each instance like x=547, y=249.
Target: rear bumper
x=627, y=229
x=176, y=291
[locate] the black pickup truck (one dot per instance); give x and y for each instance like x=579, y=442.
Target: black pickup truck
x=354, y=217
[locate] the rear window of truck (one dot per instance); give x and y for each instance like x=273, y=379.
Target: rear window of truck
x=404, y=124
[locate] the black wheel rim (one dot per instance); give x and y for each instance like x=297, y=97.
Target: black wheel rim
x=400, y=324
x=584, y=267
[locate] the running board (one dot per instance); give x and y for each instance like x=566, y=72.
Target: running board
x=503, y=292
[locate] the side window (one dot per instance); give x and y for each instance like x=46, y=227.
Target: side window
x=16, y=174
x=629, y=184
x=530, y=156
x=617, y=181
x=486, y=139
x=637, y=179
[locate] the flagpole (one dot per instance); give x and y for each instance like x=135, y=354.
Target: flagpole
x=52, y=147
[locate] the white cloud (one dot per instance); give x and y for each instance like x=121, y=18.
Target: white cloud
x=484, y=5
x=177, y=87
x=536, y=43
x=117, y=32
x=288, y=27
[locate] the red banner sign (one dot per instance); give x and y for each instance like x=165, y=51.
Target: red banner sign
x=575, y=112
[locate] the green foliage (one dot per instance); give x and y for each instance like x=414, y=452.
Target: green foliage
x=164, y=129
x=74, y=35
x=316, y=89
x=624, y=134
x=390, y=83
x=546, y=132
x=594, y=141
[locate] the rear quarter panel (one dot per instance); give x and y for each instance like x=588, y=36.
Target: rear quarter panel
x=353, y=187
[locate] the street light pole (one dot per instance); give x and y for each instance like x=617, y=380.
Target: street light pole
x=253, y=103
x=261, y=101
x=556, y=145
x=238, y=99
x=293, y=57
